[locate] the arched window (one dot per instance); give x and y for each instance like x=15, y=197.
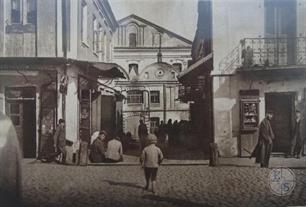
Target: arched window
x=132, y=39
x=133, y=68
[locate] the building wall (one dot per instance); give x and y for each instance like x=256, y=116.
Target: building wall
x=2, y=28
x=233, y=21
x=301, y=16
x=45, y=38
x=86, y=48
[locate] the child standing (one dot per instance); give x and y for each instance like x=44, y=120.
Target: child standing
x=150, y=159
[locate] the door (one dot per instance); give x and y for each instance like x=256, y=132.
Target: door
x=29, y=129
x=280, y=24
x=108, y=114
x=21, y=108
x=282, y=105
x=154, y=124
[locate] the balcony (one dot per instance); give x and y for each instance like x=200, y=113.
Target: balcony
x=265, y=53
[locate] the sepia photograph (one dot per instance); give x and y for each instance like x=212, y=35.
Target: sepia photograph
x=152, y=103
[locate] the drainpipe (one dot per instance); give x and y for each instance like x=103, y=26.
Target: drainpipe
x=164, y=102
x=64, y=48
x=148, y=101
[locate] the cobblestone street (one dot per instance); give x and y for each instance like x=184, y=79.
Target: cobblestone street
x=186, y=185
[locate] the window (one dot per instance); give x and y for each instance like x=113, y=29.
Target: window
x=178, y=66
x=133, y=68
x=156, y=39
x=173, y=75
x=146, y=75
x=20, y=7
x=16, y=11
x=134, y=97
x=99, y=39
x=95, y=34
x=31, y=11
x=132, y=39
x=154, y=96
x=84, y=23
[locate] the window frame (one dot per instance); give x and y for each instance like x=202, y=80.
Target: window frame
x=24, y=14
x=133, y=95
x=134, y=35
x=137, y=68
x=155, y=97
x=84, y=23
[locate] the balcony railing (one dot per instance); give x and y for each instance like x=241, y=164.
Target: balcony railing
x=265, y=52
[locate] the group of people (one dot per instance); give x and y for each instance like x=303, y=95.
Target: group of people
x=175, y=132
x=266, y=137
x=104, y=149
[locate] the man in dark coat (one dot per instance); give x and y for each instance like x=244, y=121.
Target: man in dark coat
x=97, y=149
x=297, y=138
x=265, y=141
x=142, y=133
x=60, y=139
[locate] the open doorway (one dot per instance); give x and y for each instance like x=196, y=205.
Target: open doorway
x=282, y=105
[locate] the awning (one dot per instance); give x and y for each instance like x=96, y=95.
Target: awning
x=97, y=69
x=100, y=69
x=195, y=66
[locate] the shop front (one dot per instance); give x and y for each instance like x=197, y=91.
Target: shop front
x=240, y=104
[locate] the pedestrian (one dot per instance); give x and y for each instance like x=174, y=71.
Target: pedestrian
x=151, y=158
x=264, y=145
x=10, y=164
x=297, y=136
x=114, y=151
x=142, y=133
x=98, y=148
x=169, y=128
x=60, y=140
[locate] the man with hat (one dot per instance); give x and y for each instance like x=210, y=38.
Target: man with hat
x=150, y=159
x=264, y=146
x=297, y=135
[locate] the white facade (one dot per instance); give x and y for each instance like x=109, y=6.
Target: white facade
x=137, y=43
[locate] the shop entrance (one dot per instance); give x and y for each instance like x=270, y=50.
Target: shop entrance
x=282, y=105
x=21, y=108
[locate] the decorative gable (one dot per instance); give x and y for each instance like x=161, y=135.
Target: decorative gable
x=135, y=32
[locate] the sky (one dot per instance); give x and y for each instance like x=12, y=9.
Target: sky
x=178, y=16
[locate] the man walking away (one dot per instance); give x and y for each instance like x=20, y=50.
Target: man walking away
x=265, y=141
x=150, y=159
x=60, y=140
x=297, y=139
x=142, y=133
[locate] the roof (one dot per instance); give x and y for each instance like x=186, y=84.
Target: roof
x=159, y=28
x=107, y=70
x=195, y=65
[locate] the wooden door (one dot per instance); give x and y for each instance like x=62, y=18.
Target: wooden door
x=282, y=105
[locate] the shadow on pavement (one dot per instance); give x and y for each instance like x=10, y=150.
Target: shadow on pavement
x=174, y=201
x=133, y=185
